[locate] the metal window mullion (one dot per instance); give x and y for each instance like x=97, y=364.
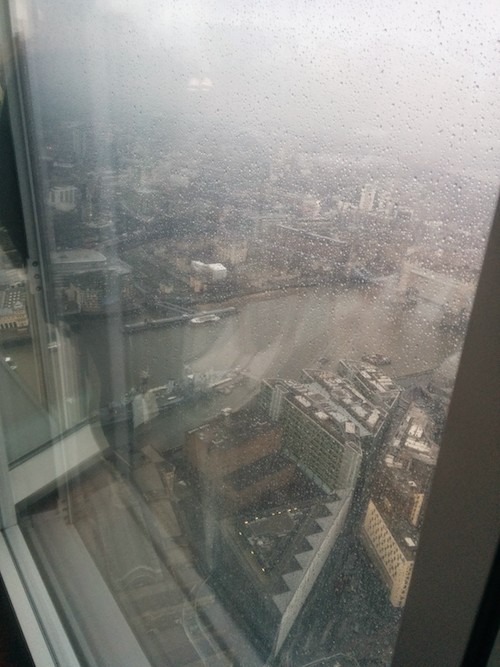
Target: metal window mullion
x=461, y=529
x=39, y=306
x=43, y=622
x=32, y=632
x=8, y=516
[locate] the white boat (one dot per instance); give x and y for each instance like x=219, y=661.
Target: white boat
x=11, y=363
x=204, y=319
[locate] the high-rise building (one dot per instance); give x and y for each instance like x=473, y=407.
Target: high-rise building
x=298, y=443
x=325, y=447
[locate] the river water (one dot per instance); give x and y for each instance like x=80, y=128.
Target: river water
x=273, y=335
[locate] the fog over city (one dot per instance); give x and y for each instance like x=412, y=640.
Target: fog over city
x=415, y=82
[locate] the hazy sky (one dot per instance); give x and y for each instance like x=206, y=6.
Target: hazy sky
x=415, y=79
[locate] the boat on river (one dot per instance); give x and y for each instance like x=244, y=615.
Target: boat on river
x=205, y=319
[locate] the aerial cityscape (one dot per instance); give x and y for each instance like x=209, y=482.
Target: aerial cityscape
x=262, y=484
x=262, y=327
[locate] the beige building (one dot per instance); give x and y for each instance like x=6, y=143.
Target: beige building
x=14, y=319
x=13, y=313
x=392, y=547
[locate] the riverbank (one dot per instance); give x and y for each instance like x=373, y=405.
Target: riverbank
x=277, y=333
x=269, y=294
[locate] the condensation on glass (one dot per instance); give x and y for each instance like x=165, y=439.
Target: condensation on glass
x=259, y=231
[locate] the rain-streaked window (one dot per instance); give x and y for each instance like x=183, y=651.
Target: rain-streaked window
x=228, y=353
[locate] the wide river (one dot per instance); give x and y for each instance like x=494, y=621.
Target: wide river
x=275, y=335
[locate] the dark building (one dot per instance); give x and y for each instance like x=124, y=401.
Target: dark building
x=277, y=480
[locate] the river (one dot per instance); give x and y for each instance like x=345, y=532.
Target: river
x=275, y=336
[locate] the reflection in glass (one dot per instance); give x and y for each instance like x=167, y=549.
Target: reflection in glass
x=261, y=233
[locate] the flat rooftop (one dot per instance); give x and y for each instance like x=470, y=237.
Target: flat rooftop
x=408, y=482
x=256, y=471
x=313, y=235
x=405, y=534
x=315, y=401
x=226, y=431
x=412, y=436
x=373, y=378
x=277, y=545
x=363, y=412
x=12, y=299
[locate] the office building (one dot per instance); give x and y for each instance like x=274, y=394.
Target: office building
x=371, y=382
x=89, y=283
x=391, y=545
x=393, y=518
x=321, y=439
x=13, y=313
x=269, y=560
x=277, y=480
x=222, y=452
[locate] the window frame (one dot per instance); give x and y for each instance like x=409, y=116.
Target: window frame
x=461, y=530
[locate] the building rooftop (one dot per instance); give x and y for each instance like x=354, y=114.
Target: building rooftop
x=374, y=379
x=362, y=411
x=337, y=660
x=277, y=545
x=405, y=533
x=412, y=438
x=12, y=277
x=83, y=261
x=249, y=474
x=231, y=430
x=407, y=481
x=314, y=400
x=11, y=299
x=311, y=234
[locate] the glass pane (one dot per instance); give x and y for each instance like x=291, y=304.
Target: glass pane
x=260, y=229
x=25, y=425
